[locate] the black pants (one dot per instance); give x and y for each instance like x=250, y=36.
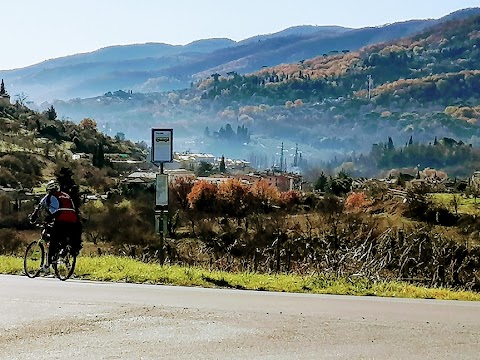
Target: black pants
x=59, y=232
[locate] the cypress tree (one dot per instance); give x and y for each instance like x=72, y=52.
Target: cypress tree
x=222, y=164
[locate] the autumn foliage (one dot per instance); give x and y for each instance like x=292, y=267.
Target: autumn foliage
x=356, y=201
x=290, y=198
x=232, y=197
x=88, y=123
x=202, y=197
x=264, y=191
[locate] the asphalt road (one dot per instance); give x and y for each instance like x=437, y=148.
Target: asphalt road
x=45, y=318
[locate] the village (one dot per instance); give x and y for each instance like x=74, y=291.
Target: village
x=135, y=173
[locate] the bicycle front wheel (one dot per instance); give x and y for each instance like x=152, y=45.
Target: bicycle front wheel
x=64, y=263
x=34, y=259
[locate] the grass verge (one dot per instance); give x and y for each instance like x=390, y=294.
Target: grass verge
x=465, y=205
x=122, y=269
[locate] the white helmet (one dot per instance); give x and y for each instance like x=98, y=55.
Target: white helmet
x=52, y=185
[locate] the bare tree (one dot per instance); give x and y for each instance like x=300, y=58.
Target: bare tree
x=21, y=99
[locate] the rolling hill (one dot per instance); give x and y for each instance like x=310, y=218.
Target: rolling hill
x=162, y=67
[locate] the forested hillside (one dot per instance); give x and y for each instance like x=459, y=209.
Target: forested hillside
x=421, y=87
x=35, y=146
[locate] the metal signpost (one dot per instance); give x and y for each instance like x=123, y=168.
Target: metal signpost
x=162, y=152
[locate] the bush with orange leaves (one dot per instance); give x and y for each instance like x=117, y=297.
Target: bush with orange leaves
x=356, y=201
x=289, y=198
x=88, y=123
x=233, y=198
x=202, y=197
x=264, y=195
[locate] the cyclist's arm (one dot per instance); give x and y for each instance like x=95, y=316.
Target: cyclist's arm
x=41, y=205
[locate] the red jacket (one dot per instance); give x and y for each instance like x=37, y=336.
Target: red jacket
x=66, y=211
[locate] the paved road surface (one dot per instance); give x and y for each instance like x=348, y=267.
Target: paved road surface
x=45, y=318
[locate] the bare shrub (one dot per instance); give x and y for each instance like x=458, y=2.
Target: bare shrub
x=330, y=205
x=10, y=242
x=178, y=192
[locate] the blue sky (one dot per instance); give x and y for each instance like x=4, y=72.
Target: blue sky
x=37, y=30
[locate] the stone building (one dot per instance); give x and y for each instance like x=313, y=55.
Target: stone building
x=4, y=97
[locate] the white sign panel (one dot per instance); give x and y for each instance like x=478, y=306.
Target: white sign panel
x=162, y=145
x=161, y=198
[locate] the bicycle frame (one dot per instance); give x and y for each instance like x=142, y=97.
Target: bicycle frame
x=63, y=261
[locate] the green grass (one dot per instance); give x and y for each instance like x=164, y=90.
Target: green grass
x=466, y=205
x=122, y=269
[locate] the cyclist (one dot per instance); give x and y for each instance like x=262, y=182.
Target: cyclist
x=63, y=217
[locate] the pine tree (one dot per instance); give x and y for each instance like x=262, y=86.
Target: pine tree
x=51, y=113
x=321, y=182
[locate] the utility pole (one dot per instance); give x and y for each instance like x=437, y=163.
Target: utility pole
x=281, y=159
x=295, y=159
x=369, y=84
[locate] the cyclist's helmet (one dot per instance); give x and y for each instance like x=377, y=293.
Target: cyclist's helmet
x=52, y=185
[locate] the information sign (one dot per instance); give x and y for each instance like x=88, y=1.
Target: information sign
x=162, y=146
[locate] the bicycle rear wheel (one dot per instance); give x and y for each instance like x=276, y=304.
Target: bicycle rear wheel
x=64, y=263
x=34, y=259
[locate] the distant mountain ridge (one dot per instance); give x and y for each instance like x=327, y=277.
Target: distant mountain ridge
x=154, y=67
x=298, y=30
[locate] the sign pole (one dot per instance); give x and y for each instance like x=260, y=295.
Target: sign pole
x=162, y=240
x=162, y=152
x=161, y=210
x=161, y=228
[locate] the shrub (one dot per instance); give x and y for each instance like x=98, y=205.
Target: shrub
x=290, y=198
x=421, y=207
x=125, y=224
x=15, y=219
x=356, y=201
x=7, y=178
x=330, y=205
x=10, y=242
x=264, y=196
x=202, y=197
x=178, y=192
x=233, y=198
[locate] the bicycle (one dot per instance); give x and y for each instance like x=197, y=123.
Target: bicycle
x=36, y=256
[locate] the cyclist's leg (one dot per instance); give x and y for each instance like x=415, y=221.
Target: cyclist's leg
x=55, y=233
x=76, y=237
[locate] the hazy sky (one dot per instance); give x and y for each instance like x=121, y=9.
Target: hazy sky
x=37, y=30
